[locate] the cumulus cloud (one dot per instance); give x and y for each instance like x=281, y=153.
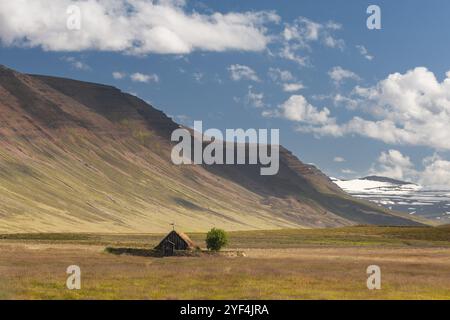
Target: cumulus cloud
x=339, y=75
x=254, y=99
x=241, y=72
x=136, y=77
x=300, y=34
x=341, y=100
x=404, y=109
x=131, y=26
x=289, y=53
x=285, y=79
x=305, y=30
x=339, y=159
x=292, y=87
x=333, y=25
x=436, y=173
x=331, y=42
x=364, y=52
x=119, y=75
x=298, y=109
x=276, y=74
x=393, y=164
x=140, y=77
x=75, y=63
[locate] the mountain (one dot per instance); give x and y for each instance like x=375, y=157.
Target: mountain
x=386, y=179
x=406, y=197
x=86, y=157
x=376, y=184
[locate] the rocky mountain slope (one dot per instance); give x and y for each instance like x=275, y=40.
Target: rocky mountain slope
x=85, y=157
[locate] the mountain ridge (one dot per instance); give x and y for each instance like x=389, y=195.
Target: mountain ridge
x=86, y=157
x=386, y=179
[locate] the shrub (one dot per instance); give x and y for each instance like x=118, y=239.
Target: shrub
x=216, y=239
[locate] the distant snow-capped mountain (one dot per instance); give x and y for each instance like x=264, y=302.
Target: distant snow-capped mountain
x=376, y=184
x=400, y=196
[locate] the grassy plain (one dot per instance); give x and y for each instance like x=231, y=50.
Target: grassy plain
x=282, y=264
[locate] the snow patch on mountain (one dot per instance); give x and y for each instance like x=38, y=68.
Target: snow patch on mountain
x=371, y=186
x=400, y=196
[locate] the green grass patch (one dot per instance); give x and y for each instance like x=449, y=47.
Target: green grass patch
x=286, y=238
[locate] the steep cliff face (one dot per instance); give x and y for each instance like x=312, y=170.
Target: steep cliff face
x=85, y=157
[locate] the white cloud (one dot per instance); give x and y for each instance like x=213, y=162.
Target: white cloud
x=413, y=107
x=140, y=77
x=136, y=77
x=303, y=29
x=286, y=79
x=75, y=63
x=436, y=173
x=277, y=74
x=334, y=25
x=292, y=87
x=331, y=42
x=131, y=26
x=393, y=164
x=364, y=52
x=119, y=75
x=404, y=109
x=338, y=159
x=339, y=75
x=289, y=53
x=241, y=72
x=300, y=34
x=298, y=109
x=349, y=103
x=254, y=99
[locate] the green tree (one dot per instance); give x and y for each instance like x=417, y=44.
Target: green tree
x=216, y=239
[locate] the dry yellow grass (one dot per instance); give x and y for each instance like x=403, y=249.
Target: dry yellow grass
x=36, y=270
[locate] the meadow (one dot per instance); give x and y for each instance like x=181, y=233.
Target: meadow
x=279, y=264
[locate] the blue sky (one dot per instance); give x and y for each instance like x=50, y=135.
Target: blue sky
x=360, y=101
